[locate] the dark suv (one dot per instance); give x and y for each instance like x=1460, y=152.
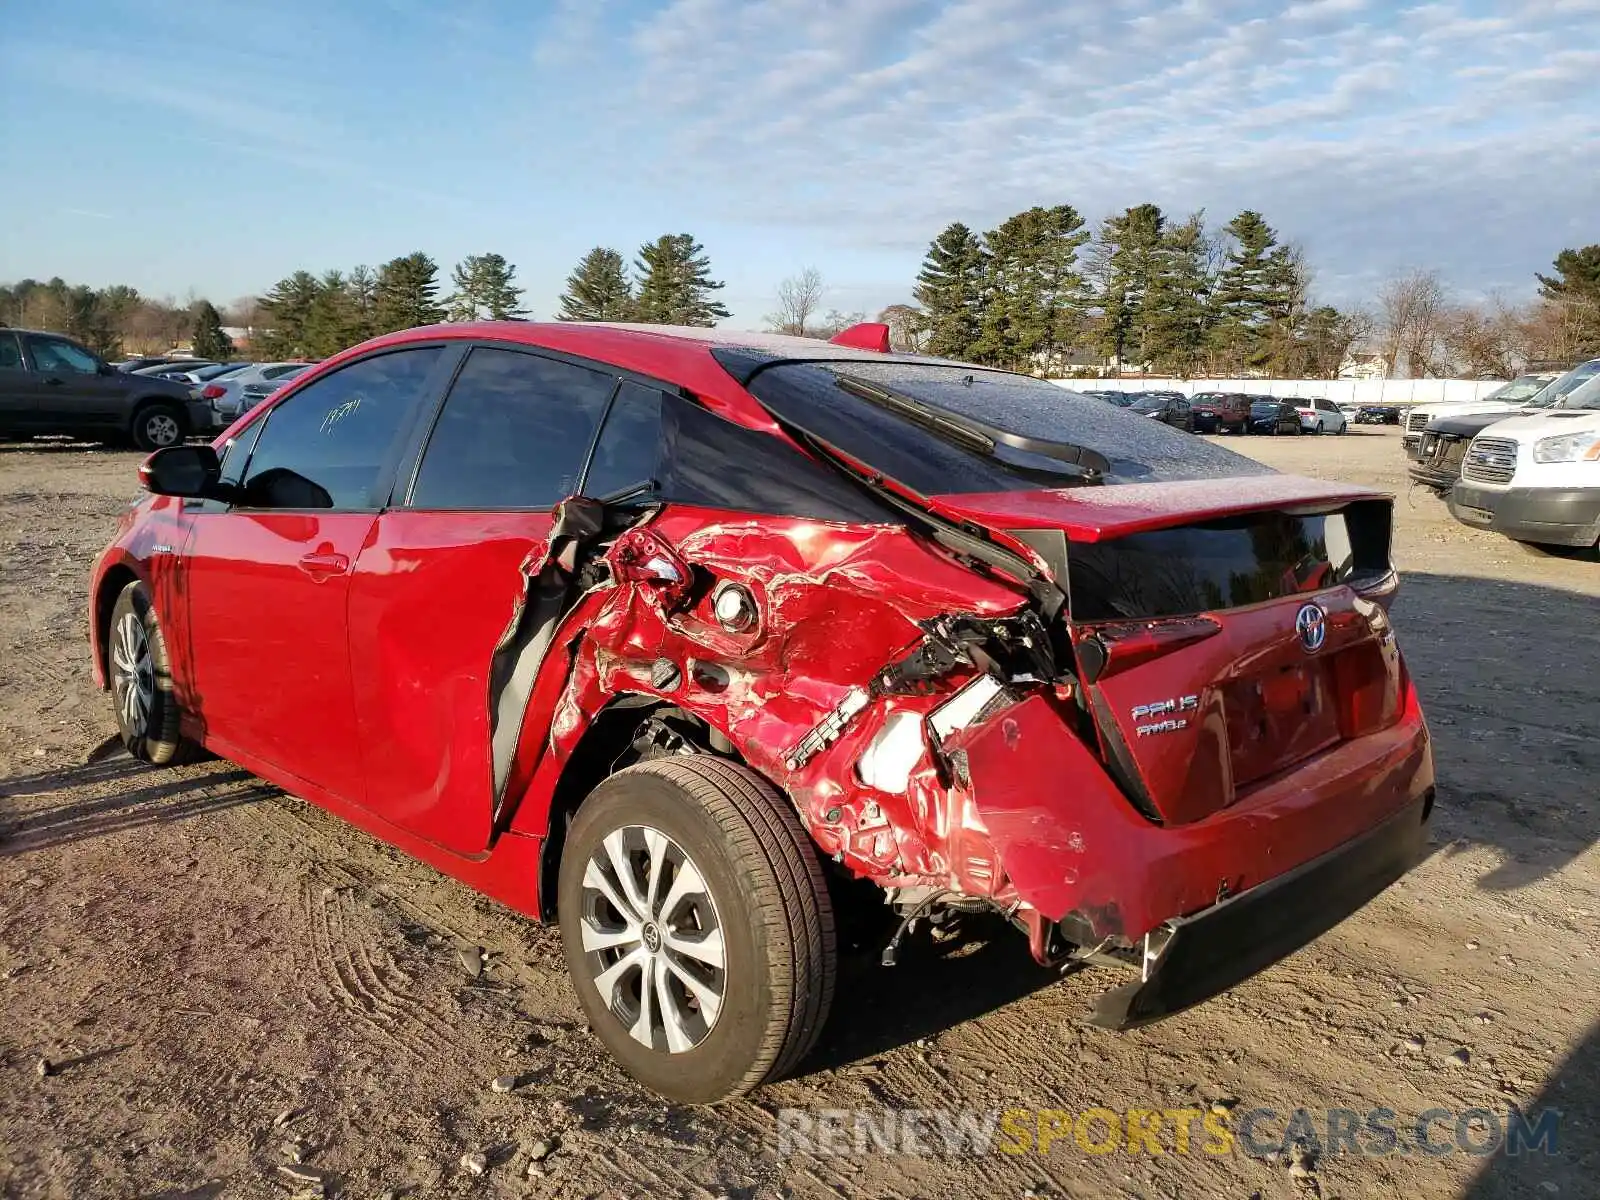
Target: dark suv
x=51, y=384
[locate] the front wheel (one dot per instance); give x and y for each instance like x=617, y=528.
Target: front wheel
x=148, y=716
x=697, y=927
x=157, y=426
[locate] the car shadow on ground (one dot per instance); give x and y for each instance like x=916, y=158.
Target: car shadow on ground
x=1569, y=1166
x=168, y=798
x=931, y=988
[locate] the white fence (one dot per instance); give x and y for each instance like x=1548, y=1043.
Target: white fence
x=1340, y=391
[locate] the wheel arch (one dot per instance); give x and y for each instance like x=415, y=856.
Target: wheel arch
x=607, y=744
x=109, y=587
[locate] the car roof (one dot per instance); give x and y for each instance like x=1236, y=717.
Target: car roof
x=676, y=353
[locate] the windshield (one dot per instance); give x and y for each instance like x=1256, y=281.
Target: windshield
x=1521, y=388
x=1263, y=406
x=1586, y=395
x=1147, y=406
x=810, y=396
x=1552, y=394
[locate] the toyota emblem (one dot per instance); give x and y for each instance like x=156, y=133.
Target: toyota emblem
x=1311, y=623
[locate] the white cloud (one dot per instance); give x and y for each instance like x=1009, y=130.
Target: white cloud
x=1345, y=124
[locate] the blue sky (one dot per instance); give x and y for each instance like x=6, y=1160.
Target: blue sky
x=215, y=145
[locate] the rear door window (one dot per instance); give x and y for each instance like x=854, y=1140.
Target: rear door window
x=331, y=444
x=628, y=452
x=514, y=433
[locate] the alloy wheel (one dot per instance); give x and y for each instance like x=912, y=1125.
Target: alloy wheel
x=652, y=939
x=161, y=430
x=133, y=674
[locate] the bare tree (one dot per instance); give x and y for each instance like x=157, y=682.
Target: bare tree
x=835, y=322
x=799, y=299
x=1411, y=308
x=908, y=327
x=1487, y=342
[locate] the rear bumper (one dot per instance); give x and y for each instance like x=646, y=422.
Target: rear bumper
x=1552, y=516
x=1213, y=950
x=1076, y=851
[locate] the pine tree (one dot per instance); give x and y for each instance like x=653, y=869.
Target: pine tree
x=675, y=283
x=950, y=289
x=1127, y=255
x=1033, y=301
x=1255, y=295
x=1575, y=290
x=1175, y=311
x=484, y=291
x=330, y=322
x=407, y=292
x=362, y=289
x=598, y=289
x=208, y=340
x=286, y=312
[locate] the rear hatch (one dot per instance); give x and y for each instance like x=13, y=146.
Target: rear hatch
x=1222, y=651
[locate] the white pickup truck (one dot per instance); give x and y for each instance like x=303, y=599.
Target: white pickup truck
x=1521, y=391
x=1536, y=478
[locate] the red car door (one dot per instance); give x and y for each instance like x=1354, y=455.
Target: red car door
x=437, y=583
x=267, y=580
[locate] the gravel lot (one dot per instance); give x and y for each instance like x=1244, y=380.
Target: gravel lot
x=224, y=980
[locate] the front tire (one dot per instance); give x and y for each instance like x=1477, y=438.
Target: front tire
x=157, y=426
x=697, y=927
x=140, y=673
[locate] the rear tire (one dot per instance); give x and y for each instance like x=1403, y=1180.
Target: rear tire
x=156, y=426
x=140, y=674
x=750, y=896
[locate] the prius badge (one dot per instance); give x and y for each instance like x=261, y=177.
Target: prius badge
x=1311, y=623
x=1171, y=709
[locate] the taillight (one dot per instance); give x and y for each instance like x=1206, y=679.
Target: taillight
x=213, y=392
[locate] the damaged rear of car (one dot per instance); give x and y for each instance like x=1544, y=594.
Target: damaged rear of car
x=808, y=614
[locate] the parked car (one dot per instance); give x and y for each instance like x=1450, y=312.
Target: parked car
x=665, y=633
x=1442, y=444
x=1378, y=414
x=213, y=371
x=1273, y=417
x=1506, y=400
x=50, y=384
x=172, y=370
x=1167, y=407
x=1221, y=412
x=239, y=391
x=1320, y=416
x=1443, y=449
x=151, y=360
x=1536, y=477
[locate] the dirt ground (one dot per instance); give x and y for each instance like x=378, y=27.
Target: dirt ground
x=224, y=979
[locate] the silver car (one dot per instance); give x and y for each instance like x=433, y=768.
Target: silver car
x=239, y=391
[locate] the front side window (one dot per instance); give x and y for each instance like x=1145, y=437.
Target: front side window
x=49, y=354
x=513, y=434
x=329, y=444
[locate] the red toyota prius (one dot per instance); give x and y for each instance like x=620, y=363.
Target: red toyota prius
x=659, y=632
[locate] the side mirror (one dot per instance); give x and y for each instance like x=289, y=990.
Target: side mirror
x=106, y=369
x=188, y=471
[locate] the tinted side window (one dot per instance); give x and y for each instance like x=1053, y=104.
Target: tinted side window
x=629, y=449
x=10, y=352
x=49, y=354
x=327, y=446
x=514, y=433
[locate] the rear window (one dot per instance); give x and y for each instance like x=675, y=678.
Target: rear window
x=808, y=396
x=1226, y=563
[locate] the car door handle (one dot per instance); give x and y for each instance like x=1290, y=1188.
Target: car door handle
x=320, y=566
x=52, y=381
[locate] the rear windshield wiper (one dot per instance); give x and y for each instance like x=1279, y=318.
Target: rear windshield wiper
x=981, y=438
